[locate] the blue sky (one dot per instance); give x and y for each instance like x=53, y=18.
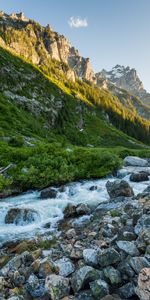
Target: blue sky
x=114, y=32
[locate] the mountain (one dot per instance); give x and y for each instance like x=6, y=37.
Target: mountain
x=55, y=128
x=127, y=79
x=40, y=44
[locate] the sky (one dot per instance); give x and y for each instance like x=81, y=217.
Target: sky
x=110, y=32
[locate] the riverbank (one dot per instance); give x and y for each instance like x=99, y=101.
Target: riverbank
x=98, y=251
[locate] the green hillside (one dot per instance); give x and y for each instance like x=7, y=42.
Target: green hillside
x=53, y=131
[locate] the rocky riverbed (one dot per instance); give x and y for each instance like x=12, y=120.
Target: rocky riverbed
x=97, y=248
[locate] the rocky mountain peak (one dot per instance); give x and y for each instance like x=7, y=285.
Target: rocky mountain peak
x=125, y=78
x=40, y=44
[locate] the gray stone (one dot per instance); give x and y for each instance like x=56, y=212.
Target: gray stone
x=108, y=257
x=57, y=286
x=91, y=257
x=138, y=263
x=135, y=161
x=83, y=276
x=127, y=290
x=128, y=247
x=83, y=209
x=112, y=275
x=142, y=224
x=65, y=265
x=99, y=288
x=34, y=287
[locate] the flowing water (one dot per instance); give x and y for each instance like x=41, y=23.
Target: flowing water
x=51, y=210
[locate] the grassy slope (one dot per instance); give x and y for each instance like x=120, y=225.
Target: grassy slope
x=50, y=161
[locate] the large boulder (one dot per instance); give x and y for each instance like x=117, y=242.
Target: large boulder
x=57, y=286
x=21, y=216
x=91, y=257
x=119, y=188
x=48, y=193
x=135, y=161
x=83, y=276
x=137, y=177
x=72, y=210
x=143, y=289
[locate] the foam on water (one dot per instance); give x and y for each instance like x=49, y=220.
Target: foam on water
x=51, y=210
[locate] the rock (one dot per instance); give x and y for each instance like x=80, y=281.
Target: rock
x=82, y=209
x=141, y=176
x=48, y=193
x=70, y=211
x=65, y=266
x=21, y=216
x=135, y=161
x=93, y=188
x=108, y=257
x=34, y=287
x=83, y=295
x=18, y=279
x=111, y=297
x=112, y=275
x=127, y=290
x=126, y=270
x=128, y=247
x=99, y=288
x=119, y=188
x=46, y=268
x=142, y=224
x=91, y=257
x=138, y=263
x=16, y=262
x=57, y=286
x=143, y=289
x=83, y=276
x=71, y=233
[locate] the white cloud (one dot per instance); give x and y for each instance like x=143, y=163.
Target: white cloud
x=77, y=22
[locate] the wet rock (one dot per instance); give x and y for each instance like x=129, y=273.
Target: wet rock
x=21, y=216
x=142, y=224
x=138, y=263
x=65, y=266
x=57, y=286
x=48, y=193
x=99, y=288
x=127, y=290
x=70, y=211
x=128, y=247
x=135, y=161
x=119, y=188
x=93, y=188
x=137, y=177
x=83, y=276
x=112, y=275
x=91, y=257
x=143, y=289
x=82, y=209
x=108, y=257
x=35, y=287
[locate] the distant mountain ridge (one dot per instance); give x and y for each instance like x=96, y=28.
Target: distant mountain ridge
x=126, y=78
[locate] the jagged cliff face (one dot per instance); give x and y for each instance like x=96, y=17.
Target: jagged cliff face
x=126, y=78
x=41, y=44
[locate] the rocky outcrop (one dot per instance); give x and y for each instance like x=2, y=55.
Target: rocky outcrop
x=21, y=216
x=41, y=44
